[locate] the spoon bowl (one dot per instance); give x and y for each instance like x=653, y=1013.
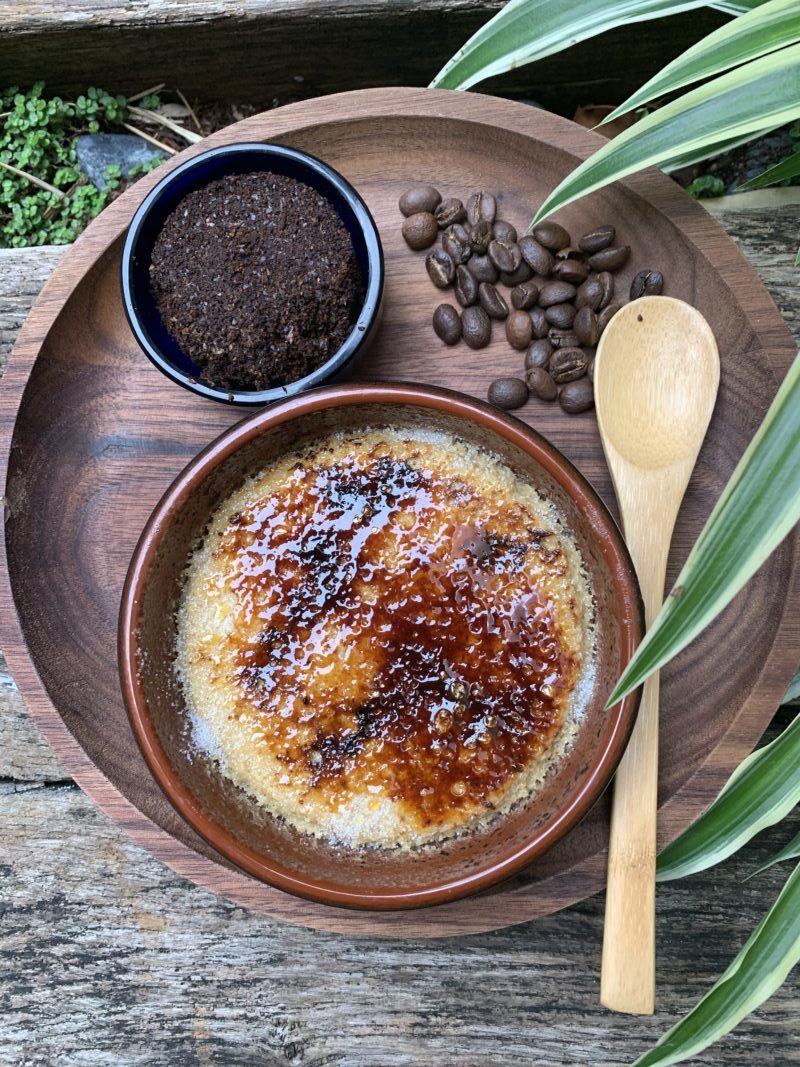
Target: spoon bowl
x=655, y=380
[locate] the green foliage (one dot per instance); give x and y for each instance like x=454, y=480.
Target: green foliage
x=37, y=136
x=760, y=792
x=706, y=185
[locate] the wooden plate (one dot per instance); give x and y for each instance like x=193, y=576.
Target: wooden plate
x=91, y=435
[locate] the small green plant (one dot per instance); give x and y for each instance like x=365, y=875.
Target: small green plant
x=705, y=185
x=44, y=197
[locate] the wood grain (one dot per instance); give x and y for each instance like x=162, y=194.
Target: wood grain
x=100, y=426
x=255, y=50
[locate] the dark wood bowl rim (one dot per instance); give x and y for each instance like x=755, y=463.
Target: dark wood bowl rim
x=583, y=794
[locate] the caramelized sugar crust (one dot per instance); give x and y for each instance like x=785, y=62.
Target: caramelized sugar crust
x=381, y=639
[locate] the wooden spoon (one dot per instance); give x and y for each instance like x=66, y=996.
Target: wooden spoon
x=655, y=382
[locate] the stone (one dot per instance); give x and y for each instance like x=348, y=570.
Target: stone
x=96, y=151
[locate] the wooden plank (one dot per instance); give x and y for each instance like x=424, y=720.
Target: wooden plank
x=107, y=957
x=255, y=50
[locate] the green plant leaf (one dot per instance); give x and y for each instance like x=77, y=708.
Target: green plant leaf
x=781, y=172
x=760, y=792
x=527, y=30
x=760, y=968
x=757, y=509
x=791, y=851
x=757, y=96
x=793, y=692
x=771, y=26
x=708, y=151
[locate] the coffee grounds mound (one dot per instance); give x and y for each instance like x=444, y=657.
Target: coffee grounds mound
x=256, y=279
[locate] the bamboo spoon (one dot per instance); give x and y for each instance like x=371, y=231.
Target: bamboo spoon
x=655, y=381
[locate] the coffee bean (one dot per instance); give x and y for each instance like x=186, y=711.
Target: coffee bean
x=420, y=198
x=448, y=212
x=541, y=384
x=560, y=315
x=524, y=295
x=481, y=206
x=590, y=369
x=466, y=287
x=552, y=236
x=536, y=255
x=440, y=268
x=597, y=240
x=522, y=274
x=589, y=294
x=611, y=258
x=447, y=324
x=505, y=255
x=539, y=323
x=567, y=364
x=519, y=329
x=492, y=303
x=571, y=270
x=606, y=281
x=577, y=396
x=562, y=338
x=647, y=283
x=476, y=327
x=570, y=252
x=606, y=315
x=420, y=230
x=504, y=231
x=457, y=243
x=556, y=293
x=481, y=235
x=538, y=354
x=585, y=326
x=508, y=393
x=483, y=269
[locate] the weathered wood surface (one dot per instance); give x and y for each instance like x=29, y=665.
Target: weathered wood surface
x=291, y=49
x=78, y=421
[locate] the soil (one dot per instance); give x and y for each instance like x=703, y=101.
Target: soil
x=256, y=279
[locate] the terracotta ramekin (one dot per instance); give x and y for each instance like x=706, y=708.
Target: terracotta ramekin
x=266, y=847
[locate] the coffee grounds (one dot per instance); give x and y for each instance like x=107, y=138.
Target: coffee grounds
x=256, y=279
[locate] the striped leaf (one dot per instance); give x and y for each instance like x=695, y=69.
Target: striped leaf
x=760, y=792
x=771, y=26
x=757, y=96
x=793, y=692
x=527, y=30
x=705, y=152
x=781, y=172
x=757, y=509
x=788, y=852
x=760, y=968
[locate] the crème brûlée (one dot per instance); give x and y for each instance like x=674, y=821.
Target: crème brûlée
x=386, y=638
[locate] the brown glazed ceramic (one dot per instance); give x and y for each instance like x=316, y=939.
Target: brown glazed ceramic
x=266, y=847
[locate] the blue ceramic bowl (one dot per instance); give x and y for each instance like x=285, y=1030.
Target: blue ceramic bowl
x=140, y=306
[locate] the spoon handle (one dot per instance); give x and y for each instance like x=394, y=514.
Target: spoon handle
x=627, y=979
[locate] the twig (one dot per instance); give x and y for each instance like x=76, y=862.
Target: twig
x=162, y=120
x=190, y=109
x=32, y=178
x=51, y=211
x=147, y=137
x=146, y=92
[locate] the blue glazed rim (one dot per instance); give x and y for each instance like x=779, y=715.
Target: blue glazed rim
x=140, y=307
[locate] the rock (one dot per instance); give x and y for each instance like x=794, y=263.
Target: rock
x=96, y=151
